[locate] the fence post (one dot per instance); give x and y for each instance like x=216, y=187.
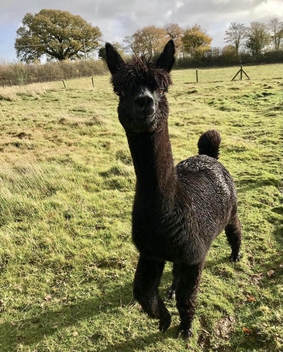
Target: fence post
x=92, y=81
x=197, y=75
x=241, y=72
x=64, y=83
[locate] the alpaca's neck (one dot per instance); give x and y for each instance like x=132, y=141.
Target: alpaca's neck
x=153, y=162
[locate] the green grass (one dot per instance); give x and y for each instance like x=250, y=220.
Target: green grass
x=66, y=191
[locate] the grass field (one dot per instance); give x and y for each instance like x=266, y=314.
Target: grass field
x=67, y=186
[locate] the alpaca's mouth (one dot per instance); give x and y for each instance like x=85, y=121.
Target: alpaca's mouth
x=145, y=123
x=145, y=114
x=150, y=118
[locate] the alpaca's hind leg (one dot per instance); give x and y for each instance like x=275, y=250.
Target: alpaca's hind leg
x=146, y=282
x=186, y=292
x=234, y=235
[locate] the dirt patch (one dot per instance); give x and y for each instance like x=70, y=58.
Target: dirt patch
x=224, y=327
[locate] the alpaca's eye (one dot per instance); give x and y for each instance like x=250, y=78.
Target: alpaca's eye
x=162, y=90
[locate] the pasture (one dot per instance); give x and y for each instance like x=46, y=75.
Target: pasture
x=66, y=190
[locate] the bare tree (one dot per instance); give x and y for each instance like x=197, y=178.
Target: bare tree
x=235, y=35
x=276, y=29
x=130, y=45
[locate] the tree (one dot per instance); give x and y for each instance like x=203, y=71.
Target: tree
x=257, y=38
x=196, y=42
x=276, y=28
x=57, y=34
x=235, y=35
x=147, y=41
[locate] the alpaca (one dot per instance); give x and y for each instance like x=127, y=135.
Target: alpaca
x=177, y=211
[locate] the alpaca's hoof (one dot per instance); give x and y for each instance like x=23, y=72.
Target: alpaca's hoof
x=235, y=257
x=184, y=333
x=164, y=322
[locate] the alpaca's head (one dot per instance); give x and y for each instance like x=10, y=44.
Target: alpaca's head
x=141, y=86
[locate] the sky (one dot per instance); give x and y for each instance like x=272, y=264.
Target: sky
x=120, y=18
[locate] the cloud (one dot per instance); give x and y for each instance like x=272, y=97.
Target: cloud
x=147, y=12
x=268, y=9
x=179, y=4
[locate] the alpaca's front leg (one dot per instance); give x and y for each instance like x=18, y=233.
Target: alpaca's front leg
x=146, y=282
x=186, y=292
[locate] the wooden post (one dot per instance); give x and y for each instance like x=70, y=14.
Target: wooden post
x=92, y=81
x=246, y=74
x=241, y=72
x=64, y=83
x=197, y=75
x=235, y=76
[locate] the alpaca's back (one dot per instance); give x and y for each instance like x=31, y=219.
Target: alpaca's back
x=208, y=186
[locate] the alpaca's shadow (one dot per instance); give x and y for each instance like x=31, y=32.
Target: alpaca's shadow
x=142, y=342
x=32, y=330
x=222, y=259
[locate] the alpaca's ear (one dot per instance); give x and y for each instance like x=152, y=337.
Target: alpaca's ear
x=113, y=58
x=166, y=59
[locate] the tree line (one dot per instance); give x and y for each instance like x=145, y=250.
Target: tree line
x=59, y=35
x=194, y=42
x=257, y=43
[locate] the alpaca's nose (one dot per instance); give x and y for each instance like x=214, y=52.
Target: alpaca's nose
x=143, y=102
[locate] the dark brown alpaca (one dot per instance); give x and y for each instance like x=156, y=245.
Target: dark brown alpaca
x=178, y=211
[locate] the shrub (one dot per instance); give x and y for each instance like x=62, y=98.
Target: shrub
x=20, y=74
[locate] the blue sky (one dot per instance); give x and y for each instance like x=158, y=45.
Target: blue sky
x=7, y=38
x=117, y=19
